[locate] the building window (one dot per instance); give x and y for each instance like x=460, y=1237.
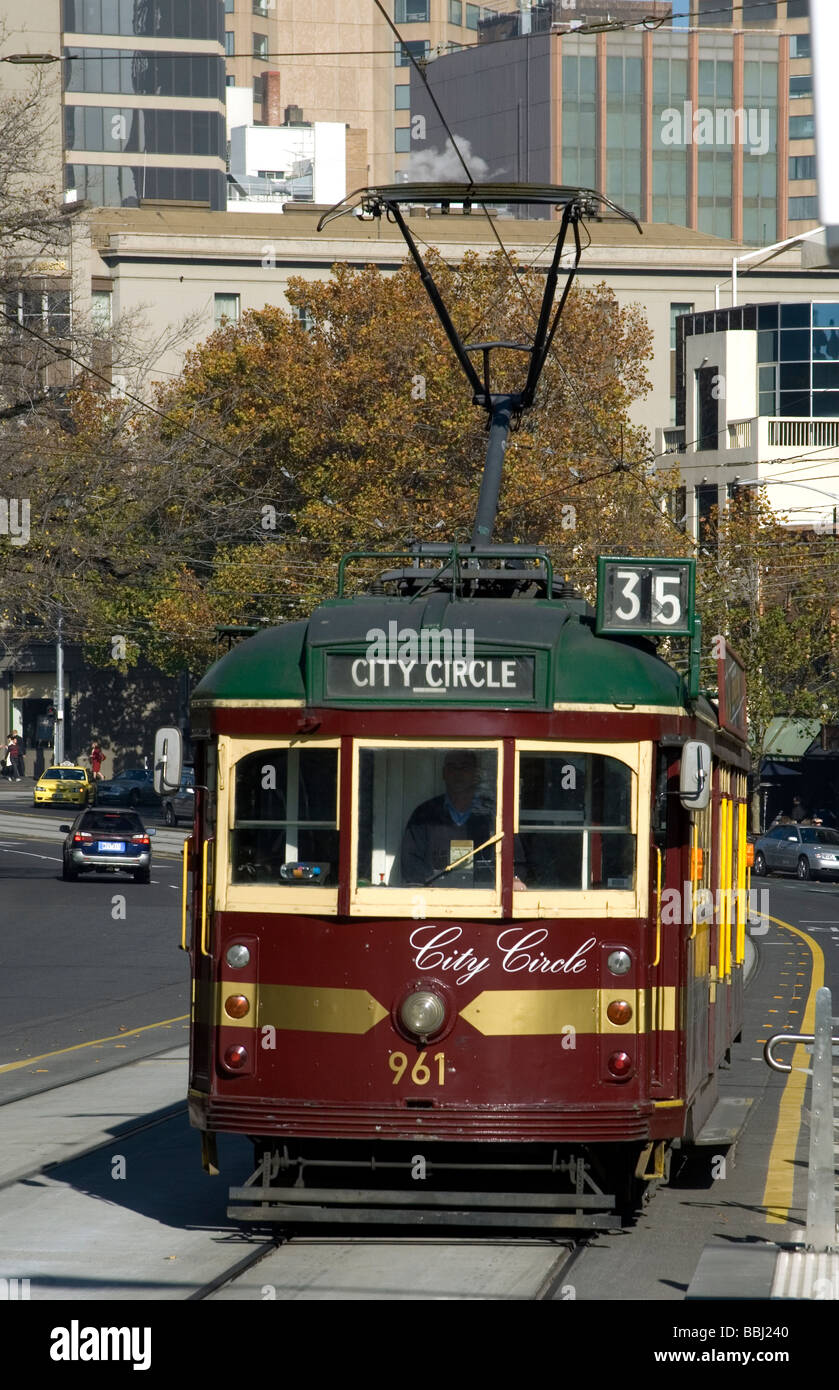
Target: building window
x=761, y=12
x=802, y=128
x=144, y=73
x=121, y=185
x=798, y=9
x=455, y=12
x=801, y=86
x=802, y=209
x=402, y=96
x=226, y=309
x=305, y=317
x=767, y=385
x=411, y=11
x=115, y=129
x=675, y=311
x=149, y=18
x=42, y=311
x=473, y=14
x=415, y=48
x=260, y=46
x=229, y=81
x=229, y=43
x=799, y=46
x=707, y=506
x=802, y=166
x=261, y=7
x=402, y=140
x=257, y=89
x=100, y=312
x=228, y=6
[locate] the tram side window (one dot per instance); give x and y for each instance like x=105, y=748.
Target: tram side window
x=422, y=810
x=285, y=825
x=575, y=821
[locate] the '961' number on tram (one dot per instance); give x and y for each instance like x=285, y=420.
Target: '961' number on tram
x=420, y=1073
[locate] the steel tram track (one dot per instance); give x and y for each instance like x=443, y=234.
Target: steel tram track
x=569, y=1252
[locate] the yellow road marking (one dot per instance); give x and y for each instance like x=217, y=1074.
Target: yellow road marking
x=95, y=1042
x=780, y=1174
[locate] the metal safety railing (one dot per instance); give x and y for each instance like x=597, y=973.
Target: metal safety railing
x=821, y=1183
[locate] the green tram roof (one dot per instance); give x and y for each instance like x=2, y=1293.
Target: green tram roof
x=575, y=666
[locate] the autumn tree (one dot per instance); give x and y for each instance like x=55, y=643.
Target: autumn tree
x=358, y=431
x=767, y=588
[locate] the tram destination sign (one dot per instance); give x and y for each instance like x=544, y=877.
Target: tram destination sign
x=477, y=678
x=645, y=597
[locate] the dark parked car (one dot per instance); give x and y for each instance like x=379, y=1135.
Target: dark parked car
x=102, y=841
x=180, y=805
x=810, y=851
x=134, y=787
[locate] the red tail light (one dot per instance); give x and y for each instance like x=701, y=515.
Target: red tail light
x=82, y=838
x=140, y=840
x=236, y=1057
x=620, y=1064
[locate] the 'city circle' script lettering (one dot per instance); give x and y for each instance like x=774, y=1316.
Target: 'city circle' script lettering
x=435, y=949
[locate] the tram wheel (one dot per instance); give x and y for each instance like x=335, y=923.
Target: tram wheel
x=803, y=870
x=760, y=864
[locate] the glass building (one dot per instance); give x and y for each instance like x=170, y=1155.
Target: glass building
x=678, y=146
x=144, y=101
x=797, y=355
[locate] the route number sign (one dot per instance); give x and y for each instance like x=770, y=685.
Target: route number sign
x=645, y=597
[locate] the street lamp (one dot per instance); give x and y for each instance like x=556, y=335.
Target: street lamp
x=33, y=58
x=769, y=251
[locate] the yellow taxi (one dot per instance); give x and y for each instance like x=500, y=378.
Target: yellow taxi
x=65, y=784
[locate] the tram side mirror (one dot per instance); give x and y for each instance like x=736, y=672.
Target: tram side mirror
x=695, y=777
x=168, y=761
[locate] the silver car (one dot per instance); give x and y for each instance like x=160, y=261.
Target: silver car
x=181, y=804
x=809, y=851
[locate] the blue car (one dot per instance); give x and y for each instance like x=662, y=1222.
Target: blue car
x=134, y=787
x=107, y=842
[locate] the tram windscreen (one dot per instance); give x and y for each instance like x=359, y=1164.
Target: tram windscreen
x=575, y=821
x=424, y=816
x=285, y=823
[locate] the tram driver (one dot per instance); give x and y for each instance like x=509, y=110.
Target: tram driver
x=451, y=828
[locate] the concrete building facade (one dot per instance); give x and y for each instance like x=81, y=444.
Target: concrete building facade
x=175, y=263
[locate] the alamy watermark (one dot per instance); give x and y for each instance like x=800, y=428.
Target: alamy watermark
x=14, y=519
x=720, y=125
x=431, y=644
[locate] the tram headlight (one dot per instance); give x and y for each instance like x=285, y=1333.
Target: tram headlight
x=237, y=957
x=423, y=1014
x=619, y=962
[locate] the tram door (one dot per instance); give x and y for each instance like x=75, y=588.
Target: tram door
x=698, y=975
x=729, y=912
x=199, y=917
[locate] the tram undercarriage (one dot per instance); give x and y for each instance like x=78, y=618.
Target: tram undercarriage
x=591, y=1188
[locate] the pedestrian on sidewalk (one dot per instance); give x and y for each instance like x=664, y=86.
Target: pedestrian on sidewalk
x=14, y=746
x=97, y=757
